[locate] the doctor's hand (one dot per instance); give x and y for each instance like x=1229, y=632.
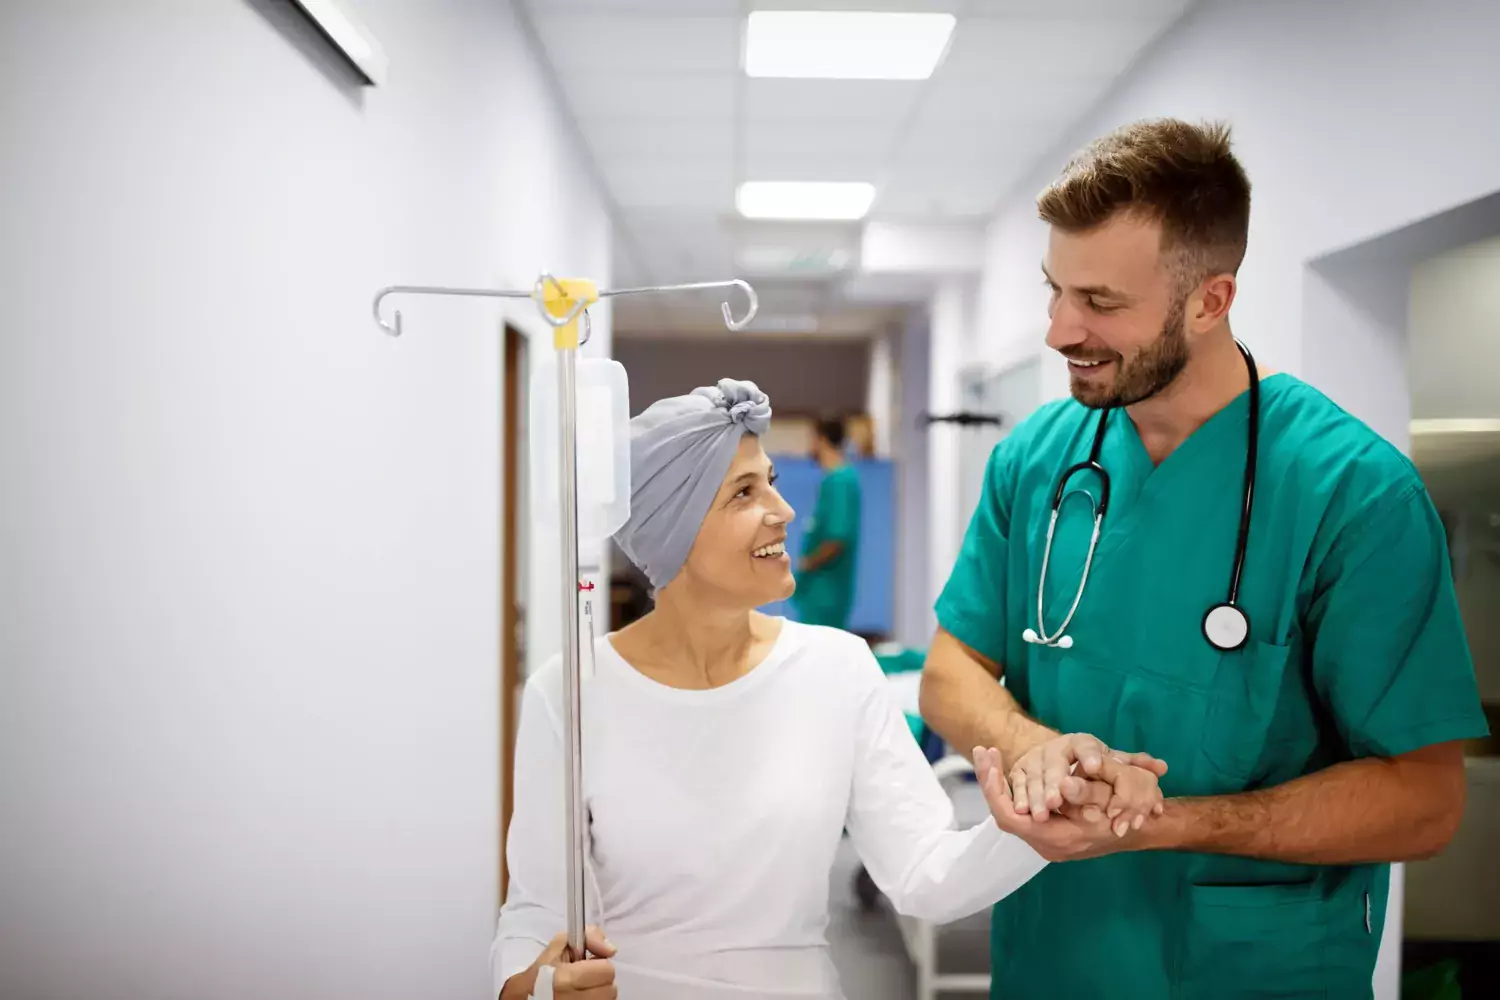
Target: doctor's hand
x=1078, y=832
x=1067, y=770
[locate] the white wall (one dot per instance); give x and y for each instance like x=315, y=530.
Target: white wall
x=1353, y=118
x=950, y=345
x=249, y=599
x=914, y=616
x=1455, y=318
x=880, y=390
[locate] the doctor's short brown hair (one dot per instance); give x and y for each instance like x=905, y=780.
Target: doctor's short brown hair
x=1180, y=175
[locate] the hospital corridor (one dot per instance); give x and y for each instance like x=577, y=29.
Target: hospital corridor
x=749, y=499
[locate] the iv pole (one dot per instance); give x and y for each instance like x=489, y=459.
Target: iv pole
x=561, y=302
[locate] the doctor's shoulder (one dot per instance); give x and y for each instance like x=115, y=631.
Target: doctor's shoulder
x=1033, y=446
x=1324, y=452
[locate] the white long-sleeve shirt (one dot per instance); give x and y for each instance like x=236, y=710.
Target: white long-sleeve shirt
x=715, y=815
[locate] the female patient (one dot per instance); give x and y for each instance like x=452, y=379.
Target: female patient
x=726, y=753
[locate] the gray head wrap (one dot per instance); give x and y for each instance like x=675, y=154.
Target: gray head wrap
x=680, y=450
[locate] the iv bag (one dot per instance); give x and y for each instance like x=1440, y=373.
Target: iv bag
x=603, y=436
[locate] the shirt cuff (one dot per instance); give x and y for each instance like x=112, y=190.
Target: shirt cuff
x=514, y=955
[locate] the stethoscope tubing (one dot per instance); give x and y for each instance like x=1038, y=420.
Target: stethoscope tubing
x=1092, y=464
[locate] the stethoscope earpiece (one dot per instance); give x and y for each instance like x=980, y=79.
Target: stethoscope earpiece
x=1061, y=642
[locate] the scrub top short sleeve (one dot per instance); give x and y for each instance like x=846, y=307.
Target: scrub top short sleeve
x=1389, y=656
x=971, y=605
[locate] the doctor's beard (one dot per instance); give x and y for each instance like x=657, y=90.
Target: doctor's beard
x=1148, y=373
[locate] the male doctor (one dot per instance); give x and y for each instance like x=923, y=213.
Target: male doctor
x=1241, y=580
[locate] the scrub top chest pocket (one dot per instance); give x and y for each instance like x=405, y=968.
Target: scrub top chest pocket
x=1259, y=727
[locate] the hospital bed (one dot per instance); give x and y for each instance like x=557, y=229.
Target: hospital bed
x=955, y=773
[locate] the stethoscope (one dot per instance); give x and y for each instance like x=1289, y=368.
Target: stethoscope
x=1226, y=626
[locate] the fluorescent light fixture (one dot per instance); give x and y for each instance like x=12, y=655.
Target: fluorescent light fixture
x=349, y=37
x=1458, y=425
x=845, y=45
x=824, y=200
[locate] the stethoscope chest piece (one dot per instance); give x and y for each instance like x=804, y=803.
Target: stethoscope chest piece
x=1226, y=627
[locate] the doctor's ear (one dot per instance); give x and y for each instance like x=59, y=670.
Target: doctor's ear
x=1209, y=304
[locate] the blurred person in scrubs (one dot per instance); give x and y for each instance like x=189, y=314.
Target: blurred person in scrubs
x=1213, y=563
x=830, y=545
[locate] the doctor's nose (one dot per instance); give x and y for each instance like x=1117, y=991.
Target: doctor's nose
x=1066, y=329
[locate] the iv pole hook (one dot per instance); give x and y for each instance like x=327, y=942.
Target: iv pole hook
x=754, y=307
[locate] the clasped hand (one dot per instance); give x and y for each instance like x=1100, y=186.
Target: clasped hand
x=590, y=977
x=1072, y=797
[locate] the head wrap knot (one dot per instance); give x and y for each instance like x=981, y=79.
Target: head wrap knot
x=743, y=401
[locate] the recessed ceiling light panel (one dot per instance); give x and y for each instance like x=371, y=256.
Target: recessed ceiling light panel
x=845, y=45
x=823, y=200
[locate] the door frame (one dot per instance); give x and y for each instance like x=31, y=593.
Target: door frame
x=512, y=448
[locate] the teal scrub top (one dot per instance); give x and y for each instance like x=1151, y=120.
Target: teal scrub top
x=1356, y=649
x=825, y=595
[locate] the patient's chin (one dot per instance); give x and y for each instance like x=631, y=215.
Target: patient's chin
x=781, y=590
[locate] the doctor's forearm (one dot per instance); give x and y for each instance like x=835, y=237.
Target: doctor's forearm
x=1363, y=811
x=962, y=703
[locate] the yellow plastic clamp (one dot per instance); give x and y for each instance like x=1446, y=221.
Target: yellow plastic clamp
x=560, y=301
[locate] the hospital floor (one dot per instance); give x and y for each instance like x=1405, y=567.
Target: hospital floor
x=868, y=950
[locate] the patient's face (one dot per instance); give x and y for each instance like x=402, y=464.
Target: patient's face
x=739, y=556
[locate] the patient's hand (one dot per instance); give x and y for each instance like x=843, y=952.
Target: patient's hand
x=584, y=978
x=1067, y=771
x=1079, y=831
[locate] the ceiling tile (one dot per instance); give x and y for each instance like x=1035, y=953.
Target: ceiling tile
x=799, y=167
x=957, y=191
x=842, y=100
x=1028, y=50
x=622, y=45
x=575, y=8
x=892, y=6
x=1161, y=10
x=685, y=184
x=597, y=96
x=960, y=143
x=954, y=98
x=659, y=138
x=814, y=141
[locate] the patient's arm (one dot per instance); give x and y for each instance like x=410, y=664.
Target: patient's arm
x=902, y=822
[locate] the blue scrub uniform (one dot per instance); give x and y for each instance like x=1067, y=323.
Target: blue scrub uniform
x=1356, y=649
